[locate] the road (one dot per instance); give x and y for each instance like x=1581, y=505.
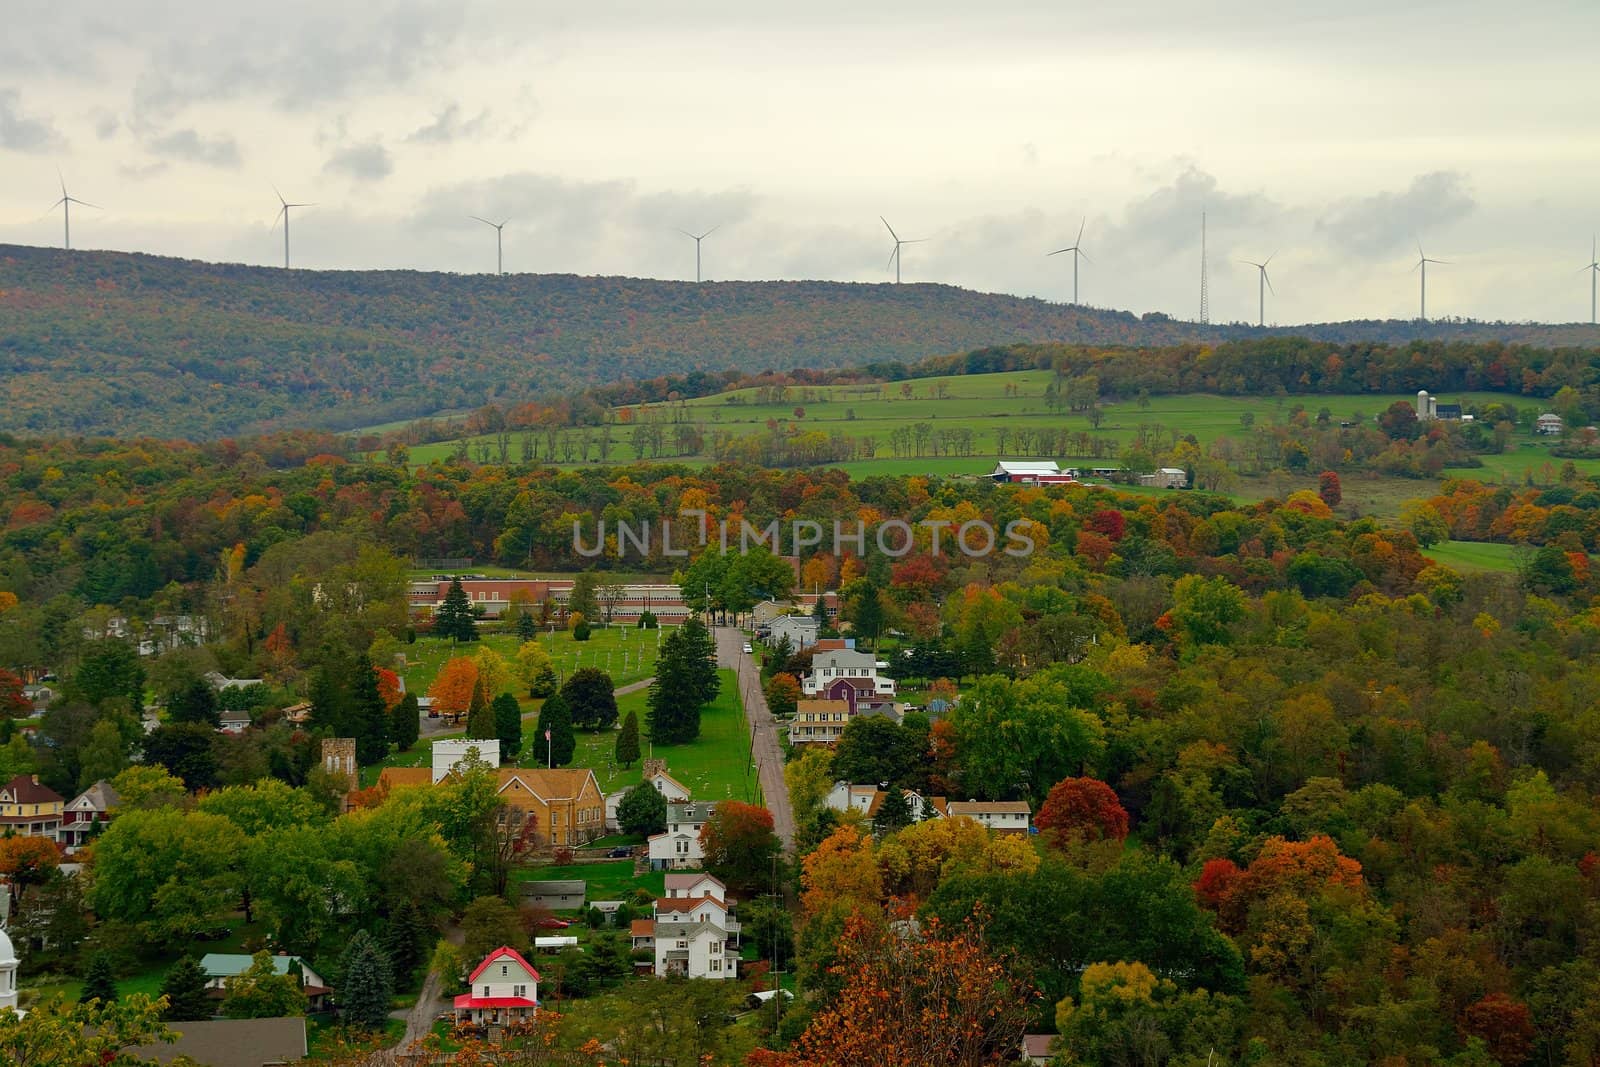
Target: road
x=768, y=756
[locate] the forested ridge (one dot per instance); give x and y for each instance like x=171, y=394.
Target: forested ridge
x=104, y=342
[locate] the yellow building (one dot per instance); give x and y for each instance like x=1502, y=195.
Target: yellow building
x=566, y=803
x=30, y=809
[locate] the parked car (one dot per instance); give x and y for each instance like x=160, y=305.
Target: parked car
x=747, y=648
x=619, y=852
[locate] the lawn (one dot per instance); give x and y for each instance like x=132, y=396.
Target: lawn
x=612, y=880
x=1474, y=556
x=625, y=653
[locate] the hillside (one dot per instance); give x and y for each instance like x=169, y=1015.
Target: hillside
x=100, y=342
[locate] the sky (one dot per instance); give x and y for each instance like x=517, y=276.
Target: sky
x=1334, y=141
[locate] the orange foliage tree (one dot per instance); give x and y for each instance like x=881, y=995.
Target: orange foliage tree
x=388, y=687
x=452, y=689
x=26, y=861
x=1504, y=1024
x=940, y=998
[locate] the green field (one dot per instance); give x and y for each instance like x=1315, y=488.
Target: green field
x=1474, y=556
x=625, y=653
x=609, y=880
x=989, y=405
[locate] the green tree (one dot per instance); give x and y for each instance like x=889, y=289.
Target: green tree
x=535, y=668
x=642, y=810
x=104, y=755
x=185, y=989
x=195, y=702
x=1015, y=740
x=555, y=720
x=454, y=618
x=54, y=1033
x=187, y=750
x=627, y=751
x=1424, y=522
x=480, y=718
x=581, y=601
x=369, y=717
x=894, y=813
x=874, y=749
x=508, y=724
x=1205, y=609
x=405, y=722
x=367, y=985
x=527, y=626
x=109, y=669
x=488, y=923
x=591, y=696
x=171, y=872
x=686, y=680
x=99, y=983
x=331, y=702
x=405, y=940
x=261, y=992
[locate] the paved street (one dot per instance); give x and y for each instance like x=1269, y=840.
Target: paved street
x=769, y=757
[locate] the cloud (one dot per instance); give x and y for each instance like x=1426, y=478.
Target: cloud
x=187, y=144
x=1387, y=222
x=448, y=126
x=364, y=162
x=24, y=133
x=1168, y=219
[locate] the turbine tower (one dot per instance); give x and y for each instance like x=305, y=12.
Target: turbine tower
x=65, y=204
x=1076, y=248
x=697, y=238
x=499, y=227
x=1422, y=262
x=1263, y=284
x=1205, y=292
x=894, y=257
x=283, y=213
x=1594, y=271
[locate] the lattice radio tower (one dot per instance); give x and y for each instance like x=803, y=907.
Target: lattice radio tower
x=1205, y=295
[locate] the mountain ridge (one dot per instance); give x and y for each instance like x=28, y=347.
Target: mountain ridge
x=128, y=343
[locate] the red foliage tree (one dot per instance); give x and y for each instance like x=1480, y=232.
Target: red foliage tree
x=739, y=843
x=1504, y=1024
x=1217, y=882
x=1329, y=488
x=1082, y=809
x=1109, y=523
x=388, y=687
x=13, y=705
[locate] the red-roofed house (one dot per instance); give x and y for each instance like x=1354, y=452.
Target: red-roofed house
x=29, y=809
x=504, y=989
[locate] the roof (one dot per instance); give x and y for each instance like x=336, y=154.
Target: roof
x=642, y=928
x=228, y=964
x=25, y=789
x=503, y=952
x=689, y=881
x=686, y=903
x=232, y=1042
x=820, y=704
x=965, y=807
x=467, y=1001
x=1173, y=470
x=1037, y=1046
x=1028, y=467
x=558, y=784
x=558, y=887
x=663, y=774
x=102, y=796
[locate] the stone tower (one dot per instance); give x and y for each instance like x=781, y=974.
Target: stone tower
x=339, y=758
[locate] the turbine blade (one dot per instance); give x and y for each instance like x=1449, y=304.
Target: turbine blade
x=85, y=203
x=481, y=219
x=1084, y=254
x=711, y=231
x=892, y=256
x=1268, y=279
x=1081, y=225
x=917, y=241
x=1058, y=251
x=889, y=228
x=279, y=195
x=1270, y=259
x=686, y=233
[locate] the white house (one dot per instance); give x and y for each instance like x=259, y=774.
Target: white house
x=689, y=886
x=867, y=799
x=504, y=989
x=1015, y=472
x=1001, y=816
x=846, y=665
x=447, y=755
x=221, y=966
x=674, y=791
x=1548, y=424
x=678, y=847
x=1166, y=478
x=801, y=630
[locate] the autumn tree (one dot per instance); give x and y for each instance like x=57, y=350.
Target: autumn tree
x=55, y=1032
x=941, y=998
x=536, y=669
x=1504, y=1024
x=13, y=705
x=1329, y=488
x=783, y=693
x=740, y=844
x=1082, y=809
x=26, y=862
x=454, y=686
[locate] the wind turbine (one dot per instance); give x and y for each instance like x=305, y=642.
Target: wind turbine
x=894, y=257
x=697, y=238
x=65, y=204
x=1594, y=271
x=1076, y=251
x=499, y=261
x=283, y=213
x=1263, y=284
x=1422, y=262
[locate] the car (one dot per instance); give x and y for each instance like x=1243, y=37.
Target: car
x=747, y=648
x=619, y=852
x=553, y=924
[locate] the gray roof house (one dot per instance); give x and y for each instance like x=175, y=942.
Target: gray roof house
x=557, y=895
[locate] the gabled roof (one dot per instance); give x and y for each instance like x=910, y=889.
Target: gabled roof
x=561, y=887
x=98, y=797
x=504, y=952
x=25, y=789
x=1009, y=466
x=642, y=928
x=664, y=775
x=232, y=1042
x=1010, y=807
x=676, y=904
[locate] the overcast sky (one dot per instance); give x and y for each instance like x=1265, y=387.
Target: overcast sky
x=1335, y=139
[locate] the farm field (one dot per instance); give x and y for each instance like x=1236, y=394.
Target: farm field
x=625, y=653
x=1474, y=556
x=991, y=404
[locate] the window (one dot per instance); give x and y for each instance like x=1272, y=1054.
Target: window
x=716, y=964
x=503, y=970
x=519, y=991
x=485, y=990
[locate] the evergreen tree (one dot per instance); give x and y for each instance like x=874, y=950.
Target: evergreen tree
x=185, y=990
x=405, y=722
x=454, y=618
x=508, y=723
x=556, y=718
x=480, y=717
x=893, y=814
x=686, y=680
x=628, y=740
x=527, y=627
x=591, y=698
x=194, y=702
x=642, y=810
x=369, y=719
x=404, y=942
x=700, y=653
x=368, y=984
x=99, y=983
x=330, y=700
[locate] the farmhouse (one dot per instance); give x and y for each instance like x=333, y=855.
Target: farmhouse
x=1548, y=424
x=503, y=989
x=694, y=932
x=29, y=809
x=832, y=666
x=221, y=966
x=678, y=847
x=801, y=630
x=1166, y=478
x=87, y=813
x=1001, y=816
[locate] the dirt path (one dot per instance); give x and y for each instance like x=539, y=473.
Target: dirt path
x=430, y=1001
